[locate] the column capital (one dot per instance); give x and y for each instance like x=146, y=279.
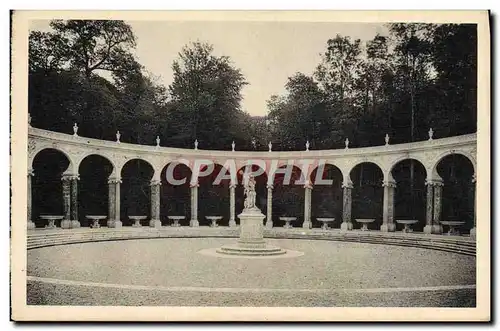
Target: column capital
x=347, y=184
x=233, y=185
x=155, y=182
x=474, y=178
x=270, y=186
x=389, y=183
x=194, y=184
x=31, y=172
x=114, y=180
x=70, y=177
x=434, y=182
x=308, y=185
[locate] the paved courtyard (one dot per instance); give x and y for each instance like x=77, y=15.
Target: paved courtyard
x=172, y=272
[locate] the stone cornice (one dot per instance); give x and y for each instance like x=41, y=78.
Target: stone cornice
x=113, y=146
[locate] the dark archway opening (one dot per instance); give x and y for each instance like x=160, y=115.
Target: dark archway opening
x=46, y=185
x=213, y=197
x=410, y=194
x=457, y=202
x=288, y=197
x=367, y=194
x=326, y=199
x=175, y=199
x=93, y=191
x=135, y=191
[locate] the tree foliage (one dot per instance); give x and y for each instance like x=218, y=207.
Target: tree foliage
x=417, y=77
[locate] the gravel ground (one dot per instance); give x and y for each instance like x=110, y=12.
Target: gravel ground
x=50, y=294
x=175, y=262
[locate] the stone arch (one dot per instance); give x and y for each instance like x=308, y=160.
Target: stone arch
x=437, y=160
x=78, y=163
x=48, y=166
x=325, y=164
x=57, y=148
x=359, y=162
x=132, y=159
x=404, y=158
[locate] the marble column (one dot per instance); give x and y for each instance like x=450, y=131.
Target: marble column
x=66, y=192
x=155, y=221
x=111, y=202
x=75, y=223
x=436, y=219
x=232, y=203
x=473, y=230
x=194, y=205
x=30, y=224
x=388, y=212
x=307, y=206
x=118, y=223
x=269, y=212
x=429, y=207
x=347, y=206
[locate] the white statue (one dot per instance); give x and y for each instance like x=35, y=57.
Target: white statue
x=250, y=195
x=233, y=145
x=75, y=130
x=387, y=139
x=196, y=144
x=254, y=143
x=346, y=143
x=157, y=141
x=431, y=133
x=118, y=135
x=307, y=146
x=270, y=147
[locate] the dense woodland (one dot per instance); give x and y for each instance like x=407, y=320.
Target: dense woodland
x=417, y=77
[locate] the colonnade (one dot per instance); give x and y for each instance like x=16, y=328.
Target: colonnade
x=70, y=204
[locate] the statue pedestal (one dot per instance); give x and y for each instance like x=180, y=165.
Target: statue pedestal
x=251, y=242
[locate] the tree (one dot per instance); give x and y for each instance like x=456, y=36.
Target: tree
x=454, y=55
x=206, y=92
x=92, y=45
x=299, y=116
x=412, y=52
x=337, y=75
x=374, y=87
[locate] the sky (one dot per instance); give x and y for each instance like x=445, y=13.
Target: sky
x=266, y=52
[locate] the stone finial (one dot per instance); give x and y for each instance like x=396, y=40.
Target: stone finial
x=270, y=146
x=233, y=145
x=196, y=145
x=157, y=141
x=387, y=139
x=307, y=146
x=346, y=143
x=431, y=133
x=118, y=135
x=75, y=130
